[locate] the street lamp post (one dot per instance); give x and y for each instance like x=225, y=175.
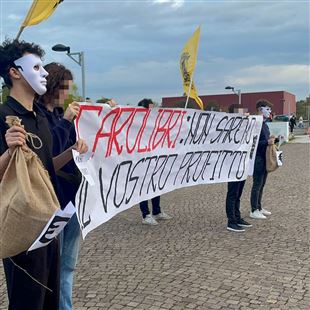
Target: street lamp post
x=79, y=61
x=237, y=92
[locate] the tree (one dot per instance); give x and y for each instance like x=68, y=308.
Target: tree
x=73, y=96
x=4, y=93
x=103, y=100
x=303, y=108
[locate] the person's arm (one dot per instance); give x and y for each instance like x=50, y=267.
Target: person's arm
x=61, y=135
x=14, y=137
x=61, y=132
x=63, y=158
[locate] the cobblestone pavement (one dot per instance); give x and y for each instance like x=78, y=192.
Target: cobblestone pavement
x=193, y=262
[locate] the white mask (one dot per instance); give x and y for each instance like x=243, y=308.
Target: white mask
x=30, y=67
x=266, y=111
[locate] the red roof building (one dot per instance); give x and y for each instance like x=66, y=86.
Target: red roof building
x=283, y=102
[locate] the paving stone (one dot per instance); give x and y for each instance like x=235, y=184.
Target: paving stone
x=193, y=262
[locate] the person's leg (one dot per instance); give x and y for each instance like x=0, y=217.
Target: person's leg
x=231, y=201
x=156, y=205
x=24, y=293
x=144, y=208
x=239, y=190
x=258, y=179
x=69, y=254
x=260, y=195
x=51, y=301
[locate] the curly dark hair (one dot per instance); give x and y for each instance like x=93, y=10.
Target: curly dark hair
x=57, y=74
x=11, y=50
x=145, y=103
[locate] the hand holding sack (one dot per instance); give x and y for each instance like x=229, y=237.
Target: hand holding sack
x=273, y=158
x=28, y=200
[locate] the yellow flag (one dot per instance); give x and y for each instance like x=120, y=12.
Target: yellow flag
x=187, y=66
x=39, y=11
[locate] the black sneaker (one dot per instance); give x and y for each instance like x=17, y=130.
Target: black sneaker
x=244, y=223
x=235, y=227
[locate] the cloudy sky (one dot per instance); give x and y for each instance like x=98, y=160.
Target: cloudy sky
x=132, y=48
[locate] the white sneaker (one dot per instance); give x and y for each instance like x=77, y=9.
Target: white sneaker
x=257, y=215
x=162, y=216
x=265, y=212
x=149, y=220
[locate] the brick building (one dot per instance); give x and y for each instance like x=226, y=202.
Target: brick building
x=283, y=102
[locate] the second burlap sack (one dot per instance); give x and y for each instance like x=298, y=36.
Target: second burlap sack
x=271, y=158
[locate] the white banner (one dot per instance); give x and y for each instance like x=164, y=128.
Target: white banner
x=136, y=154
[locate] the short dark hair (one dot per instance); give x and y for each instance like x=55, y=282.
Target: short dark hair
x=11, y=50
x=145, y=103
x=57, y=74
x=232, y=107
x=263, y=103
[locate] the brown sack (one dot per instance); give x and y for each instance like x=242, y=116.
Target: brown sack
x=27, y=202
x=271, y=158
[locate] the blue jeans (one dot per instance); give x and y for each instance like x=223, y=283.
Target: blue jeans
x=259, y=180
x=69, y=251
x=234, y=192
x=155, y=204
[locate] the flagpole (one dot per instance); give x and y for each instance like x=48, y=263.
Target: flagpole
x=20, y=32
x=189, y=91
x=27, y=17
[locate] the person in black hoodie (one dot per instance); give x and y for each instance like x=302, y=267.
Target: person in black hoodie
x=32, y=278
x=69, y=178
x=260, y=173
x=292, y=123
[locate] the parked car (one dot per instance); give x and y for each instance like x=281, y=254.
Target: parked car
x=281, y=118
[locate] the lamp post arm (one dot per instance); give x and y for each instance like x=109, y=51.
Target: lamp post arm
x=74, y=59
x=81, y=63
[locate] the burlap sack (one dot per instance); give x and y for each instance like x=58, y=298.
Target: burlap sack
x=27, y=202
x=271, y=158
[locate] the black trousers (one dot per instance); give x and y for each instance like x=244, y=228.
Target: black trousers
x=234, y=192
x=43, y=265
x=259, y=180
x=155, y=204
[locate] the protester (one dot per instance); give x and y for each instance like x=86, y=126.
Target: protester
x=292, y=123
x=234, y=191
x=260, y=173
x=157, y=213
x=52, y=103
x=32, y=278
x=301, y=122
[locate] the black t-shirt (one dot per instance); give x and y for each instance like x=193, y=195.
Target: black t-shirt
x=34, y=122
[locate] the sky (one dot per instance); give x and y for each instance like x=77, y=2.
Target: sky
x=132, y=48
